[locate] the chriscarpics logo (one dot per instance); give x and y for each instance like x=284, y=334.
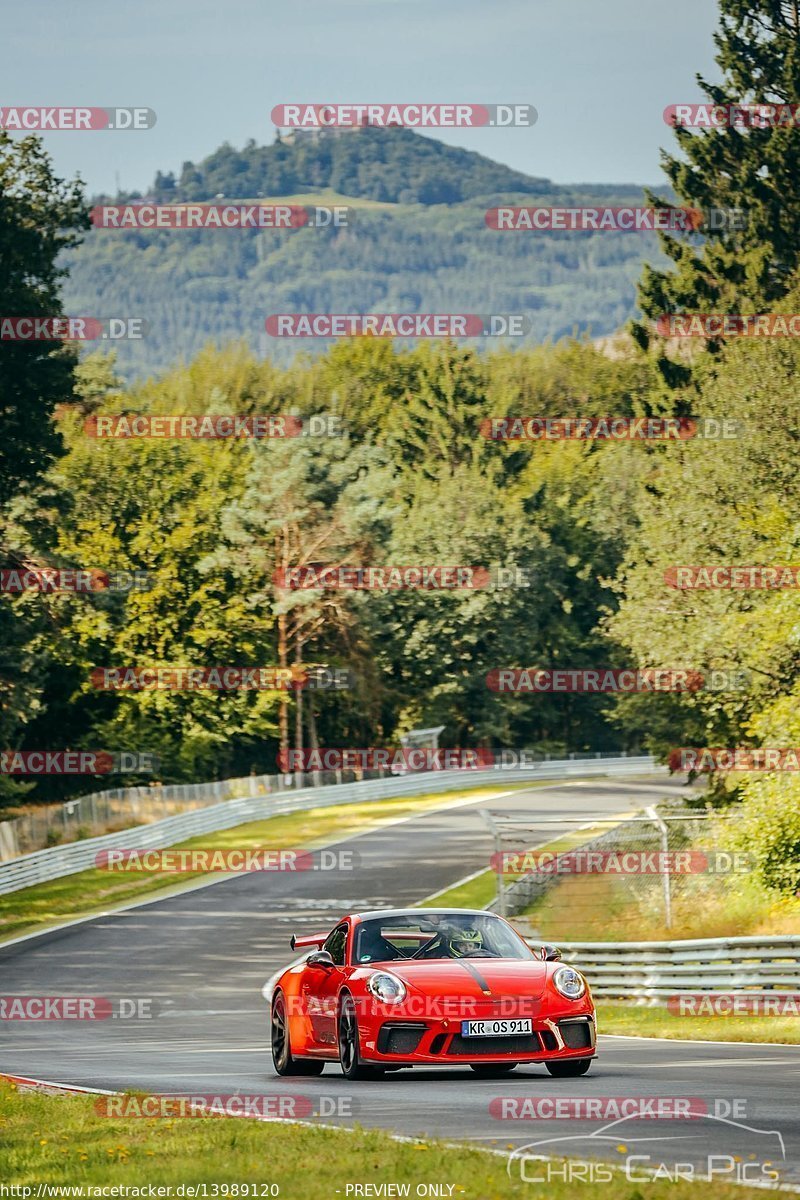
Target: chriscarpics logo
x=692, y=1145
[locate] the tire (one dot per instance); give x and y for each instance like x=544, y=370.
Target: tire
x=493, y=1070
x=569, y=1068
x=347, y=1039
x=282, y=1058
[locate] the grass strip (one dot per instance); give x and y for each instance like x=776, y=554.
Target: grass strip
x=61, y=1141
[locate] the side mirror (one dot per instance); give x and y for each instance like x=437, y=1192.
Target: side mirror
x=321, y=959
x=551, y=953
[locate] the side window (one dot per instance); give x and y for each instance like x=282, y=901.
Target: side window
x=335, y=944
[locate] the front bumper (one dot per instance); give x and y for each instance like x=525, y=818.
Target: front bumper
x=440, y=1042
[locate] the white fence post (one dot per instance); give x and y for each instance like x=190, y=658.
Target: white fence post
x=665, y=875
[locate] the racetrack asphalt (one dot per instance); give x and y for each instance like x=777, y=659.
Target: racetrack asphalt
x=203, y=957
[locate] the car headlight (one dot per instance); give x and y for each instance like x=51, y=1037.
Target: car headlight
x=387, y=987
x=570, y=983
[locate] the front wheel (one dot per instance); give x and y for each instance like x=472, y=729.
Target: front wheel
x=569, y=1068
x=347, y=1033
x=493, y=1070
x=282, y=1058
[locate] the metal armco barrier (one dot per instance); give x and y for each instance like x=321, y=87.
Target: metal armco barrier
x=58, y=861
x=651, y=971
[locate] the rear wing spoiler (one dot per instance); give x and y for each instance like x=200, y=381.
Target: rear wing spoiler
x=308, y=939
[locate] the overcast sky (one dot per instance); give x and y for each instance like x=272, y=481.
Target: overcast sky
x=600, y=75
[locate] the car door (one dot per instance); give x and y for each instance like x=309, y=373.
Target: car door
x=321, y=988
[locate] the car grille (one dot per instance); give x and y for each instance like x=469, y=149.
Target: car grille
x=475, y=1047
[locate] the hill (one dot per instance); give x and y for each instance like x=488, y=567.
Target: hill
x=394, y=165
x=416, y=241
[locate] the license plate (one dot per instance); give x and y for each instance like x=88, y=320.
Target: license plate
x=496, y=1028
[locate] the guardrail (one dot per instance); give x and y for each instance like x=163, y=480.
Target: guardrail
x=112, y=809
x=58, y=861
x=651, y=971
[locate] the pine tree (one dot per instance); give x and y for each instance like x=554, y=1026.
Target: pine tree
x=40, y=216
x=437, y=420
x=751, y=168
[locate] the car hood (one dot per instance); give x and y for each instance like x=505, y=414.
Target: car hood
x=476, y=978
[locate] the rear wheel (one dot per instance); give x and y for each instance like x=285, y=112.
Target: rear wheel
x=347, y=1034
x=282, y=1059
x=493, y=1070
x=569, y=1069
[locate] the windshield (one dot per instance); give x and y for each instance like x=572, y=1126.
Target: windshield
x=437, y=935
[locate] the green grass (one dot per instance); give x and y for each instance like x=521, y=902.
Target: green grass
x=475, y=893
x=640, y=1021
x=100, y=891
x=60, y=1140
x=603, y=908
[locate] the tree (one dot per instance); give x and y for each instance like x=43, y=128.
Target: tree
x=40, y=215
x=155, y=505
x=750, y=169
x=736, y=505
x=436, y=426
x=305, y=504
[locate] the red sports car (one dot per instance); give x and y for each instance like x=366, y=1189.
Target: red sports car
x=429, y=988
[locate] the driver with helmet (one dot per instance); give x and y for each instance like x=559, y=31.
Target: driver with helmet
x=453, y=942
